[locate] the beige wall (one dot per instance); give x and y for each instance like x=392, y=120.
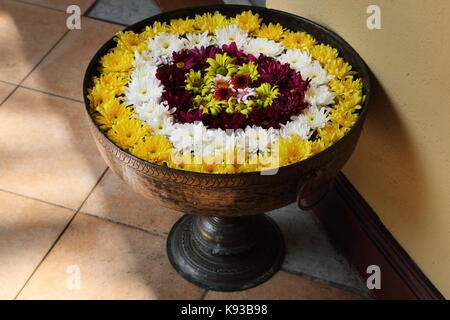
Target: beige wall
x=401, y=165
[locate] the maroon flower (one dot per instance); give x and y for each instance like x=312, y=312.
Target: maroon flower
x=201, y=54
x=272, y=71
x=177, y=98
x=183, y=59
x=297, y=83
x=170, y=75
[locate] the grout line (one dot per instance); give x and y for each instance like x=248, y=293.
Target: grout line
x=51, y=93
x=9, y=95
x=46, y=254
x=88, y=10
x=59, y=236
x=328, y=282
x=39, y=62
x=39, y=5
x=109, y=21
x=92, y=190
x=36, y=199
x=42, y=59
x=153, y=233
x=7, y=82
x=204, y=295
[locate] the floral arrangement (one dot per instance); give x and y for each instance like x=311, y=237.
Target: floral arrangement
x=223, y=95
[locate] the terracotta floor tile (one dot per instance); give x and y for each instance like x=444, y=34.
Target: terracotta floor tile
x=5, y=89
x=28, y=228
x=114, y=200
x=286, y=286
x=28, y=33
x=62, y=71
x=46, y=149
x=62, y=4
x=114, y=262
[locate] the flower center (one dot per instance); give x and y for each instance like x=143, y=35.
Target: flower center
x=241, y=81
x=223, y=93
x=222, y=71
x=180, y=64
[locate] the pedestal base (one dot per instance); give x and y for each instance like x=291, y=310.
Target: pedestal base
x=225, y=254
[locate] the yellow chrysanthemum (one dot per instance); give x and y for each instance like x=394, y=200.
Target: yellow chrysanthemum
x=317, y=146
x=331, y=133
x=117, y=61
x=244, y=108
x=99, y=95
x=155, y=30
x=222, y=64
x=345, y=118
x=195, y=82
x=266, y=94
x=298, y=40
x=324, y=53
x=181, y=26
x=127, y=133
x=251, y=69
x=111, y=81
x=208, y=104
x=247, y=21
x=339, y=68
x=210, y=22
x=153, y=148
x=213, y=164
x=270, y=31
x=345, y=86
x=130, y=41
x=111, y=113
x=292, y=150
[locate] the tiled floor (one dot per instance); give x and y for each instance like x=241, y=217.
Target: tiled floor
x=68, y=227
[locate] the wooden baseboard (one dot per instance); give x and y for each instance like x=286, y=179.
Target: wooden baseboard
x=365, y=241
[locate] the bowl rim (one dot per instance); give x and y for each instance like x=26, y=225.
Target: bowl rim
x=363, y=73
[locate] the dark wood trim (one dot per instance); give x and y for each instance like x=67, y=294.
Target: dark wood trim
x=365, y=241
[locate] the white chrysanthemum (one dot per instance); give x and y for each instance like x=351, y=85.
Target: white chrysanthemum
x=320, y=96
x=198, y=40
x=143, y=89
x=296, y=59
x=162, y=46
x=315, y=117
x=316, y=73
x=299, y=127
x=144, y=71
x=143, y=59
x=189, y=137
x=256, y=46
x=216, y=142
x=231, y=33
x=256, y=138
x=157, y=116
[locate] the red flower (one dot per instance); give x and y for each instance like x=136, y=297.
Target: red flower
x=170, y=75
x=241, y=81
x=223, y=93
x=183, y=59
x=272, y=71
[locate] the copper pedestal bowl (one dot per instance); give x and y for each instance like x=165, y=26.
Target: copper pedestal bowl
x=225, y=242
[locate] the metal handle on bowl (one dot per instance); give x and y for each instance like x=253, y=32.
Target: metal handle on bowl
x=303, y=183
